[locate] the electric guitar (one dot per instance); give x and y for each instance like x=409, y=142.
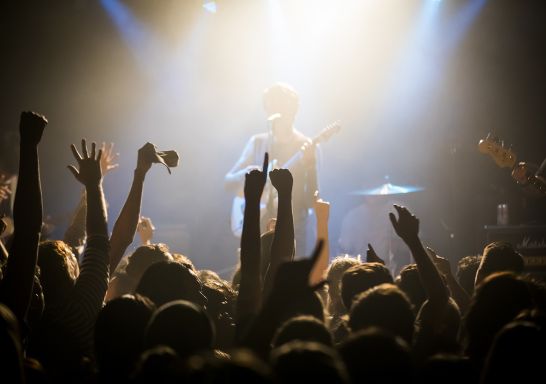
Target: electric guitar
x=505, y=157
x=268, y=201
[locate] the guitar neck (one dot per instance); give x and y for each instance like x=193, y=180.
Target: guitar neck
x=325, y=134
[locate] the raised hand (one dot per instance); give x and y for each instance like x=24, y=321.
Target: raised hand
x=321, y=207
x=108, y=159
x=31, y=127
x=458, y=293
x=146, y=156
x=372, y=257
x=255, y=181
x=322, y=212
x=407, y=225
x=89, y=173
x=145, y=229
x=282, y=181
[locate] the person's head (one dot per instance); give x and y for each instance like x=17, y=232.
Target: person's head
x=181, y=325
x=497, y=301
x=58, y=270
x=291, y=294
x=384, y=306
x=159, y=364
x=444, y=337
x=535, y=316
x=220, y=306
x=241, y=366
x=303, y=328
x=360, y=278
x=410, y=283
x=517, y=355
x=377, y=356
x=306, y=303
x=499, y=256
x=306, y=361
x=184, y=260
x=466, y=272
x=207, y=275
x=144, y=256
x=166, y=281
x=335, y=271
x=281, y=99
x=119, y=335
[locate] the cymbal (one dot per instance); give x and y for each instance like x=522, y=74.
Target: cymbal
x=388, y=189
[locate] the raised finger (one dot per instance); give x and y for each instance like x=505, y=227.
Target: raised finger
x=75, y=152
x=84, y=149
x=74, y=171
x=266, y=164
x=399, y=209
x=93, y=150
x=110, y=151
x=99, y=156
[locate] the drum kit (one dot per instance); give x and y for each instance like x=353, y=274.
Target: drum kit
x=370, y=217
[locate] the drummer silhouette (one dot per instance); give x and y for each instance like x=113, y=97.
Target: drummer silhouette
x=369, y=223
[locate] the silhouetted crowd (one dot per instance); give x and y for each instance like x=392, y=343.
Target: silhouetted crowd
x=81, y=310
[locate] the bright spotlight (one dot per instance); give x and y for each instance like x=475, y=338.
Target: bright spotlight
x=210, y=6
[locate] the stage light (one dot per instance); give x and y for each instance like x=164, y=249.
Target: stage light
x=210, y=6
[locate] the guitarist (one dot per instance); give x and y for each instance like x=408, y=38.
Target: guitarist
x=282, y=141
x=533, y=181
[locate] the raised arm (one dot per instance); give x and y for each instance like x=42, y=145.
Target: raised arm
x=75, y=233
x=407, y=228
x=322, y=212
x=145, y=230
x=92, y=282
x=250, y=288
x=289, y=293
x=282, y=248
x=126, y=224
x=457, y=291
x=27, y=216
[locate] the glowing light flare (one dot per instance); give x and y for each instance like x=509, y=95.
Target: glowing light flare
x=210, y=6
x=144, y=46
x=421, y=64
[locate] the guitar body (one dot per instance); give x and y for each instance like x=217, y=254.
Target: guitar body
x=238, y=210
